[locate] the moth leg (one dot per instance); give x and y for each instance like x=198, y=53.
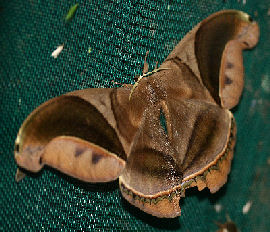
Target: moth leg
x=145, y=64
x=19, y=175
x=145, y=68
x=156, y=66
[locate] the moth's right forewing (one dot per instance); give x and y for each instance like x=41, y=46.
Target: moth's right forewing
x=213, y=51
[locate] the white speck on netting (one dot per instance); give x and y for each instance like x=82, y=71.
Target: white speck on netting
x=218, y=207
x=57, y=51
x=266, y=83
x=247, y=207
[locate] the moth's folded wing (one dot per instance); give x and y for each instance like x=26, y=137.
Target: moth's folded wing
x=73, y=134
x=203, y=135
x=151, y=174
x=213, y=51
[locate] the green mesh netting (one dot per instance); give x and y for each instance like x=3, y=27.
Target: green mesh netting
x=119, y=33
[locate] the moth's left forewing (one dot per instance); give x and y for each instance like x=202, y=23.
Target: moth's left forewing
x=116, y=108
x=78, y=134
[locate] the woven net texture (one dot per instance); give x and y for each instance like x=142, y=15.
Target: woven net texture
x=105, y=44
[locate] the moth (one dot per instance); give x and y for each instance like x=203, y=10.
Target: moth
x=172, y=132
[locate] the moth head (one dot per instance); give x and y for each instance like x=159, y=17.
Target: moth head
x=28, y=157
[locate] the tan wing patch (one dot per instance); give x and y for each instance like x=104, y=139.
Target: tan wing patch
x=83, y=160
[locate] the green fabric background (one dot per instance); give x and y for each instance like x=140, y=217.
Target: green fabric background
x=120, y=33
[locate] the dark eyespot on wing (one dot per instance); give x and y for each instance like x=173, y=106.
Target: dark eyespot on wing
x=228, y=80
x=17, y=147
x=229, y=65
x=79, y=151
x=96, y=157
x=40, y=160
x=246, y=43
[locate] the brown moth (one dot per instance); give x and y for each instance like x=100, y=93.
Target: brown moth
x=173, y=132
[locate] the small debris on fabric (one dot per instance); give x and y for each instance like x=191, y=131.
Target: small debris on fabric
x=89, y=50
x=266, y=83
x=218, y=207
x=244, y=2
x=71, y=12
x=168, y=7
x=247, y=207
x=57, y=51
x=116, y=83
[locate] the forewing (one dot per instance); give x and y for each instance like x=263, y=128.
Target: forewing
x=213, y=51
x=75, y=133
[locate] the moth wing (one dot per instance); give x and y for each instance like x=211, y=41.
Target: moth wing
x=213, y=51
x=151, y=172
x=76, y=133
x=204, y=137
x=192, y=139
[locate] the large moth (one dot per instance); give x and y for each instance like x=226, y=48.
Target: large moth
x=173, y=132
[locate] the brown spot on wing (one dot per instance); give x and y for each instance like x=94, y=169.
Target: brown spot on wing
x=228, y=80
x=246, y=43
x=96, y=157
x=79, y=151
x=17, y=147
x=229, y=65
